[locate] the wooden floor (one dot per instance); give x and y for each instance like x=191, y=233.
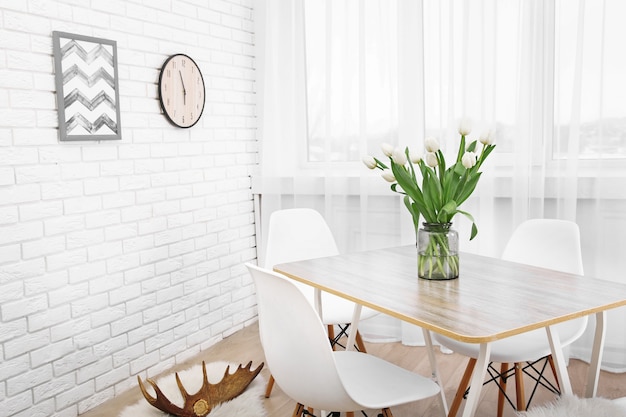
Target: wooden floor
x=244, y=346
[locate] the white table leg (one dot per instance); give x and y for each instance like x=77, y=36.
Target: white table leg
x=435, y=370
x=596, y=355
x=317, y=299
x=478, y=377
x=559, y=361
x=356, y=316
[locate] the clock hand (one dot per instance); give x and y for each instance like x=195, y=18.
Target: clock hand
x=183, y=83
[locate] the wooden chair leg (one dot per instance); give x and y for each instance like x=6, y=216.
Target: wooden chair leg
x=458, y=397
x=519, y=387
x=503, y=368
x=387, y=412
x=269, y=386
x=359, y=342
x=331, y=334
x=297, y=412
x=556, y=378
x=350, y=414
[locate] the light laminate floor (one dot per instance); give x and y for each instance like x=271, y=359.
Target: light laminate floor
x=244, y=346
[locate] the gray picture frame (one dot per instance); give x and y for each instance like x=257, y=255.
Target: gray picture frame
x=87, y=87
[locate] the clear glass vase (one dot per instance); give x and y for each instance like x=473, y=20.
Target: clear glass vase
x=437, y=251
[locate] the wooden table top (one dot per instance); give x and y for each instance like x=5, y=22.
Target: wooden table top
x=490, y=300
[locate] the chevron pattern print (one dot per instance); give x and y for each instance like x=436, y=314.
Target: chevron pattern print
x=87, y=91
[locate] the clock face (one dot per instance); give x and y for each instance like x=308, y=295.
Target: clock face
x=181, y=90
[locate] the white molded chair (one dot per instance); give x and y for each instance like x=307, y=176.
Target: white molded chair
x=302, y=233
x=546, y=243
x=310, y=372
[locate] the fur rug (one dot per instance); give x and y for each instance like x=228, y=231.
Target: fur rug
x=248, y=404
x=572, y=406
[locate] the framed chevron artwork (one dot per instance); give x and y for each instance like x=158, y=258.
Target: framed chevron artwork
x=87, y=87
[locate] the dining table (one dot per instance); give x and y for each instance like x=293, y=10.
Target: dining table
x=491, y=299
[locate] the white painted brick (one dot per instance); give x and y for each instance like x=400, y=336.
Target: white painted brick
x=69, y=329
x=40, y=210
x=21, y=308
x=49, y=317
x=93, y=370
x=99, y=153
x=73, y=361
x=128, y=292
x=16, y=403
x=21, y=194
x=58, y=154
x=131, y=214
x=67, y=294
x=139, y=274
x=108, y=315
x=64, y=224
x=152, y=225
x=118, y=200
x=150, y=195
x=104, y=251
x=122, y=372
x=94, y=336
x=21, y=270
x=26, y=343
x=35, y=174
x=102, y=218
x=122, y=263
x=74, y=395
x=85, y=272
x=78, y=171
x=7, y=175
x=66, y=259
x=89, y=305
x=82, y=205
x=45, y=408
x=83, y=238
x=42, y=247
x=100, y=185
x=10, y=254
x=126, y=324
x=64, y=189
x=49, y=353
x=8, y=215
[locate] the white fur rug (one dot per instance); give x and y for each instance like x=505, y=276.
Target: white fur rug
x=571, y=406
x=247, y=404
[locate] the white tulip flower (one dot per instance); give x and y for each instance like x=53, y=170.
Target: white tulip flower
x=468, y=159
x=369, y=161
x=388, y=175
x=387, y=149
x=399, y=157
x=487, y=138
x=465, y=127
x=431, y=144
x=431, y=159
x=415, y=157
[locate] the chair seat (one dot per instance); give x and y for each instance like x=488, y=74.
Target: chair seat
x=375, y=383
x=525, y=347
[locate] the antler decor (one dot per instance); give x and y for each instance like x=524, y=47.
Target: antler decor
x=201, y=403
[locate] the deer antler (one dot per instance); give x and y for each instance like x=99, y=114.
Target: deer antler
x=201, y=403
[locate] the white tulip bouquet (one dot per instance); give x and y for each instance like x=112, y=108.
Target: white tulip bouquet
x=431, y=188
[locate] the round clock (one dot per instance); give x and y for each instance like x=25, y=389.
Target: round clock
x=181, y=90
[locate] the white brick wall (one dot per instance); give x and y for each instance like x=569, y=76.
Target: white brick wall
x=121, y=257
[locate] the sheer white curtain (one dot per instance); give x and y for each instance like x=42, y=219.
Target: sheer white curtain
x=337, y=78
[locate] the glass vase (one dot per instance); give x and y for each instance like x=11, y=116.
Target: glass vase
x=437, y=251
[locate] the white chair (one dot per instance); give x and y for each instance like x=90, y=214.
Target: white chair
x=310, y=372
x=302, y=233
x=546, y=243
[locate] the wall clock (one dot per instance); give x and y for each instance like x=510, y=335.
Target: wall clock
x=181, y=90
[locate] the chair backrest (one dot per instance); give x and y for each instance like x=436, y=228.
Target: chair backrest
x=298, y=234
x=546, y=243
x=295, y=344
